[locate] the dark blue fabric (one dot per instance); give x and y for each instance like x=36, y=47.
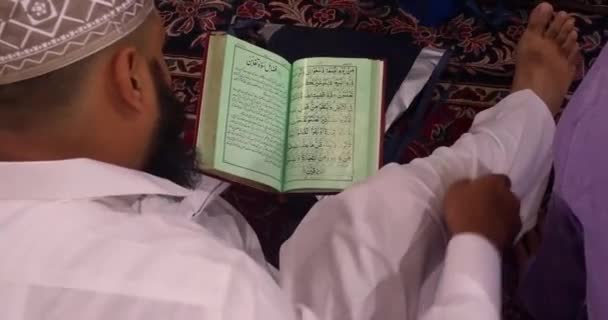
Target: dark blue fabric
x=415, y=115
x=432, y=12
x=554, y=286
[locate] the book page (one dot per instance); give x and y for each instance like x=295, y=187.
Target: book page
x=333, y=123
x=253, y=113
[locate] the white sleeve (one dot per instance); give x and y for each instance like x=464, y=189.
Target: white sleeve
x=469, y=288
x=367, y=252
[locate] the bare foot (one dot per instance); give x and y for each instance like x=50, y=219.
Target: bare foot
x=547, y=56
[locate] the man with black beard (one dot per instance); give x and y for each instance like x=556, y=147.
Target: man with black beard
x=104, y=216
x=169, y=157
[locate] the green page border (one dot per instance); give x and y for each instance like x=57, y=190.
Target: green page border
x=232, y=45
x=228, y=112
x=354, y=127
x=365, y=119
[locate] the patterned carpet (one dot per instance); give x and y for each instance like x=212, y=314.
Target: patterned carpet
x=478, y=76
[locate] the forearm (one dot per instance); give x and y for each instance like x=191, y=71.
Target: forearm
x=470, y=286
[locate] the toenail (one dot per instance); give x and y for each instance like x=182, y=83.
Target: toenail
x=545, y=6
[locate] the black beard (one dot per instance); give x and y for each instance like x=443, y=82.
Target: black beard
x=169, y=158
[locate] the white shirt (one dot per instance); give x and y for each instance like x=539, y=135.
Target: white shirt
x=83, y=240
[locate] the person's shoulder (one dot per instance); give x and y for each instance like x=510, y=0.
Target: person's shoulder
x=194, y=272
x=102, y=249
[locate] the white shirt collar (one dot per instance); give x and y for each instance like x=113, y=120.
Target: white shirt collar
x=78, y=179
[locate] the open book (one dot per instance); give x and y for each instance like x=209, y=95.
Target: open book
x=311, y=126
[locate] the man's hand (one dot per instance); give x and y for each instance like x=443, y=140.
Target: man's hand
x=485, y=206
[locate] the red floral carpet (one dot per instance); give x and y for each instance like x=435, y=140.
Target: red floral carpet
x=478, y=76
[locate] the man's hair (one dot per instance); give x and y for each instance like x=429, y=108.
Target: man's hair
x=46, y=96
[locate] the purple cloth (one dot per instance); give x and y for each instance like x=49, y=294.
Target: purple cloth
x=554, y=286
x=576, y=232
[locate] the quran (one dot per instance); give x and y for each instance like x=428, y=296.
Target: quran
x=314, y=125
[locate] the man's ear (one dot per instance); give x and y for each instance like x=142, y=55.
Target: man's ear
x=127, y=71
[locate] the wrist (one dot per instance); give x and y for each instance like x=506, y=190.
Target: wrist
x=487, y=236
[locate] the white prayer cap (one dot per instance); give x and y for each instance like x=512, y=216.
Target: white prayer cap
x=41, y=36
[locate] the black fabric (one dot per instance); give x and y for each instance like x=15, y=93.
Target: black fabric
x=399, y=54
x=415, y=115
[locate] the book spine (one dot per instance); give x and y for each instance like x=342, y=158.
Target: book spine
x=383, y=107
x=200, y=95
